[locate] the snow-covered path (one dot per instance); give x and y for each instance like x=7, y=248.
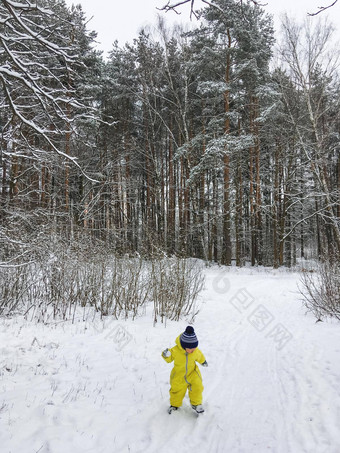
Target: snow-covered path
x=272, y=385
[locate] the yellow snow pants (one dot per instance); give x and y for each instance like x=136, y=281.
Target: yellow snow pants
x=179, y=386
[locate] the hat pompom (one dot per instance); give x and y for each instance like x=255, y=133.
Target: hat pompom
x=190, y=330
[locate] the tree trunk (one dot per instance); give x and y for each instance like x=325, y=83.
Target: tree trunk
x=276, y=209
x=172, y=199
x=226, y=252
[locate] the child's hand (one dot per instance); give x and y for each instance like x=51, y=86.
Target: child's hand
x=166, y=353
x=205, y=363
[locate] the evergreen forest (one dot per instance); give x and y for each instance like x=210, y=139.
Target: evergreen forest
x=216, y=143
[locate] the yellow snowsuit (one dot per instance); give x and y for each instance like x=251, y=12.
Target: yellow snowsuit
x=185, y=375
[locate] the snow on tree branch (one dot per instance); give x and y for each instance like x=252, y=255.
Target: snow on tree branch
x=14, y=7
x=37, y=77
x=172, y=6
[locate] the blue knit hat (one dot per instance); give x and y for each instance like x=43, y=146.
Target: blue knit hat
x=188, y=338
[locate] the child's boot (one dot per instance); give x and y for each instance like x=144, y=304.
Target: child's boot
x=199, y=408
x=171, y=409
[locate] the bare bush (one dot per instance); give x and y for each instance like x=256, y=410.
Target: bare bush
x=321, y=290
x=176, y=284
x=14, y=285
x=62, y=278
x=70, y=279
x=125, y=287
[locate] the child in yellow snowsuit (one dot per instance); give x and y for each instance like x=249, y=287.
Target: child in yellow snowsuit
x=185, y=373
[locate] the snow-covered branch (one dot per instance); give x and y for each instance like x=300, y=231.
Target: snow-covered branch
x=37, y=75
x=173, y=6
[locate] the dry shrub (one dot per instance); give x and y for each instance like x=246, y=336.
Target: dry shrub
x=321, y=290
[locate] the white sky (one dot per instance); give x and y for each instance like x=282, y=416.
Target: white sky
x=122, y=19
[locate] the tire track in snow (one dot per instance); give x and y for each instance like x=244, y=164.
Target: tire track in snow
x=222, y=389
x=247, y=384
x=303, y=384
x=280, y=396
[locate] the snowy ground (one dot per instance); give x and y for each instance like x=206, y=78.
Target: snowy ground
x=272, y=385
